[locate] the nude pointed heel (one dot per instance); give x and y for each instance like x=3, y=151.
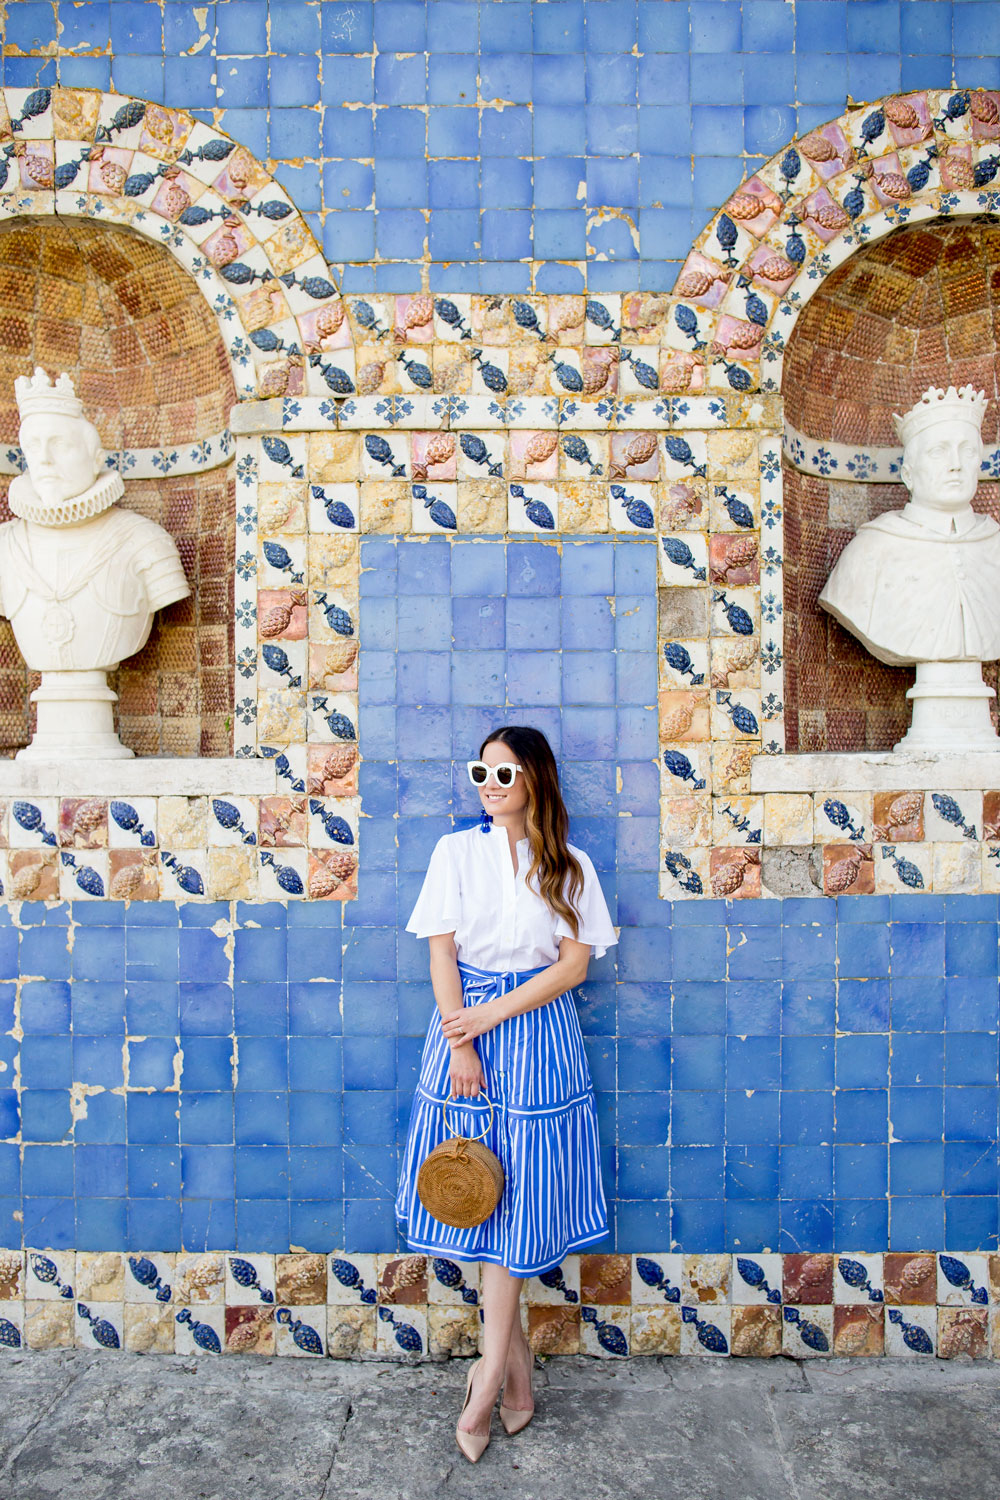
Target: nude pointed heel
x=512, y=1419
x=471, y=1443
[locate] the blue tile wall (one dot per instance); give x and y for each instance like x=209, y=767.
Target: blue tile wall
x=507, y=145
x=770, y=1074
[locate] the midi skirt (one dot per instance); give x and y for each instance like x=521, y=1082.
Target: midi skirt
x=544, y=1130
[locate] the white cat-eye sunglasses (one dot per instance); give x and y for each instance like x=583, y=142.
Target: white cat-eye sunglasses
x=503, y=773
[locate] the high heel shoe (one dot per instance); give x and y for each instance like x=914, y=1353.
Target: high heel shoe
x=512, y=1419
x=472, y=1444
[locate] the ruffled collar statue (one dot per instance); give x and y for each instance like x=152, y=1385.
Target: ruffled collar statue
x=80, y=579
x=921, y=585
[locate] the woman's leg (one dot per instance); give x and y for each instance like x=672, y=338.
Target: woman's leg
x=501, y=1294
x=517, y=1375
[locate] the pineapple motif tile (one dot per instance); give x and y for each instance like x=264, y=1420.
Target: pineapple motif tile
x=250, y=1329
x=756, y=1332
x=706, y=1329
x=756, y=1280
x=857, y=1280
x=99, y=1325
x=50, y=1275
x=100, y=1276
x=655, y=1330
x=808, y=1279
x=12, y=1276
x=350, y=1331
x=808, y=1331
x=604, y=1331
x=148, y=1328
x=910, y=1280
x=453, y=1331
x=558, y=1287
x=401, y=1331
x=352, y=1280
x=452, y=1283
x=910, y=1331
x=197, y=1279
x=554, y=1329
x=605, y=1279
x=858, y=1330
x=200, y=1329
x=657, y=1280
x=962, y=1331
x=299, y=1330
x=402, y=1280
x=962, y=1280
x=48, y=1324
x=11, y=1325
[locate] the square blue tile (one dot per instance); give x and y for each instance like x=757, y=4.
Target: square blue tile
x=754, y=1116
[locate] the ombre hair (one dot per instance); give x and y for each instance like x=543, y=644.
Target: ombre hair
x=560, y=877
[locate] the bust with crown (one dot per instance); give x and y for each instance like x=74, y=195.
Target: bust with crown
x=80, y=578
x=921, y=585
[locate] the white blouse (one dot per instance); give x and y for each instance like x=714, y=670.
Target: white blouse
x=500, y=922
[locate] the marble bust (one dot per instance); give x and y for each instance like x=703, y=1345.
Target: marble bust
x=80, y=578
x=921, y=585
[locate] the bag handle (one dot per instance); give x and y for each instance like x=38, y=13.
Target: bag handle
x=482, y=1094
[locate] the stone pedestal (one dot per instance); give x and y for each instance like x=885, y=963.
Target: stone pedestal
x=951, y=710
x=75, y=720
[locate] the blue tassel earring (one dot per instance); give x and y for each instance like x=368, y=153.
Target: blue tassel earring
x=485, y=821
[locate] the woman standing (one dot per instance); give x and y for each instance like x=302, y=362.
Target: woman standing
x=512, y=912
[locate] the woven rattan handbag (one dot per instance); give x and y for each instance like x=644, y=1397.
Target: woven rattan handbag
x=460, y=1182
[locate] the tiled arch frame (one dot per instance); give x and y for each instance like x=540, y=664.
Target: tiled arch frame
x=878, y=167
x=847, y=183
x=80, y=153
x=214, y=208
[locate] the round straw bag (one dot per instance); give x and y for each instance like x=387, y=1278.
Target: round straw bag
x=460, y=1182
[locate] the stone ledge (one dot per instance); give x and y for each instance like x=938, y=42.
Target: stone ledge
x=883, y=771
x=147, y=776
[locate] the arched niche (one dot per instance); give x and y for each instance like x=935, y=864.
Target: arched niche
x=920, y=307
x=134, y=330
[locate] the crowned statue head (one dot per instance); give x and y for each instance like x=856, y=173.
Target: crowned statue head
x=919, y=586
x=942, y=443
x=80, y=576
x=62, y=451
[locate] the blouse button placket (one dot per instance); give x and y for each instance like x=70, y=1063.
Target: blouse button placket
x=509, y=901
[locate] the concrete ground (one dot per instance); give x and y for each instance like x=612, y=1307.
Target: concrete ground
x=164, y=1427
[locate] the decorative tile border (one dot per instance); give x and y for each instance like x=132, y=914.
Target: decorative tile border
x=400, y=1306
x=857, y=465
x=152, y=463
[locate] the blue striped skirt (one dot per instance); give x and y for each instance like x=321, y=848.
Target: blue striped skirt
x=544, y=1130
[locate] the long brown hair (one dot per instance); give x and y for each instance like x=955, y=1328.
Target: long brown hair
x=546, y=822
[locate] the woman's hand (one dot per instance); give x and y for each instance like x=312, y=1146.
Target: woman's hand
x=466, y=1072
x=462, y=1026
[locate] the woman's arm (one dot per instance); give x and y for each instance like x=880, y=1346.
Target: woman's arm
x=569, y=970
x=466, y=1070
x=445, y=978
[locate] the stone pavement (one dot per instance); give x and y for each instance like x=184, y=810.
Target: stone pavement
x=164, y=1427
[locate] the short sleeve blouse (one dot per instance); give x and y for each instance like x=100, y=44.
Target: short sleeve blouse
x=500, y=922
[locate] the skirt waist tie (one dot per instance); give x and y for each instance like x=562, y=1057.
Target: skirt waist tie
x=487, y=984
